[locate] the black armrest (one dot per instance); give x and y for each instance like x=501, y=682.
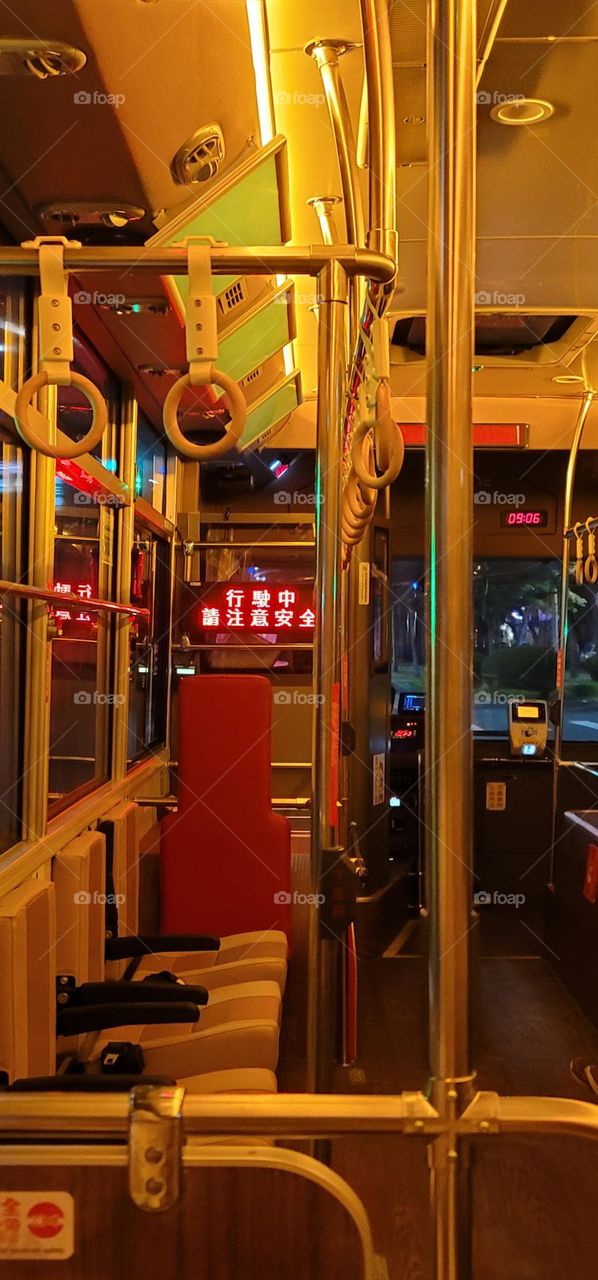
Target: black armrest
x=74, y=1022
x=157, y=990
x=127, y=948
x=85, y=1084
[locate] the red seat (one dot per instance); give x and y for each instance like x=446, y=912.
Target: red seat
x=225, y=857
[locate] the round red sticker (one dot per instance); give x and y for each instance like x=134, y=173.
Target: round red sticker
x=45, y=1219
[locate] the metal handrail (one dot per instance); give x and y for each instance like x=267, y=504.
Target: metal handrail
x=225, y=260
x=38, y=1116
x=68, y=597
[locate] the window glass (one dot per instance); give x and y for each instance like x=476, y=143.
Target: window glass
x=516, y=632
x=150, y=465
x=149, y=636
x=516, y=616
x=12, y=645
x=14, y=474
x=581, y=670
x=74, y=411
x=80, y=702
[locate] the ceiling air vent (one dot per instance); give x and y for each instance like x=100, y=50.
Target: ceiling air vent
x=69, y=214
x=232, y=297
x=251, y=377
x=41, y=59
x=496, y=333
x=200, y=157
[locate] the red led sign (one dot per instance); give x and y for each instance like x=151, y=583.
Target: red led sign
x=520, y=519
x=486, y=435
x=247, y=609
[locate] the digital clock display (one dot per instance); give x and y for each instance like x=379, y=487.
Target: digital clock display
x=523, y=519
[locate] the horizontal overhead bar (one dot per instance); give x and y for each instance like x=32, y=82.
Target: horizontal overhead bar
x=226, y=260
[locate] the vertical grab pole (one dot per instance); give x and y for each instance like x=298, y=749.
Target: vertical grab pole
x=449, y=528
x=584, y=409
x=332, y=320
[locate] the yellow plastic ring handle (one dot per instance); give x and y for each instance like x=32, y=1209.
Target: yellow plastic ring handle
x=579, y=557
x=76, y=448
x=354, y=499
x=234, y=429
x=397, y=452
x=385, y=429
x=590, y=570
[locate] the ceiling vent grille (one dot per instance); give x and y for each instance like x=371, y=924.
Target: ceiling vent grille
x=251, y=377
x=232, y=297
x=69, y=215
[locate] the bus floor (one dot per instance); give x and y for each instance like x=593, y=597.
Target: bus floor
x=533, y=1202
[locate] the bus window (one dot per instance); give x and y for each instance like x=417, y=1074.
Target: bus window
x=580, y=718
x=74, y=410
x=516, y=617
x=12, y=631
x=516, y=620
x=150, y=465
x=80, y=644
x=149, y=639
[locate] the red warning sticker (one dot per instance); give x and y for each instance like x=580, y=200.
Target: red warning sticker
x=36, y=1225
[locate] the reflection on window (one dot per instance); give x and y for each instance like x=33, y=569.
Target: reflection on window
x=74, y=411
x=150, y=466
x=515, y=632
x=408, y=625
x=12, y=619
x=581, y=670
x=79, y=723
x=149, y=638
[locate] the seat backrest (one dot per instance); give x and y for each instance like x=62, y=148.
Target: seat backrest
x=27, y=981
x=225, y=857
x=79, y=875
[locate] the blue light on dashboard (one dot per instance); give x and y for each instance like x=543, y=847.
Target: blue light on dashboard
x=528, y=749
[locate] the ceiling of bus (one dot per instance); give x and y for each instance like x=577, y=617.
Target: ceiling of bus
x=173, y=66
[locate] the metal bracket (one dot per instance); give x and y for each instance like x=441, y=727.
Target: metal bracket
x=482, y=1114
x=201, y=312
x=155, y=1146
x=55, y=309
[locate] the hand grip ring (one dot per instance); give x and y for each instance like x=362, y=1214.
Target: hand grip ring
x=233, y=431
x=76, y=448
